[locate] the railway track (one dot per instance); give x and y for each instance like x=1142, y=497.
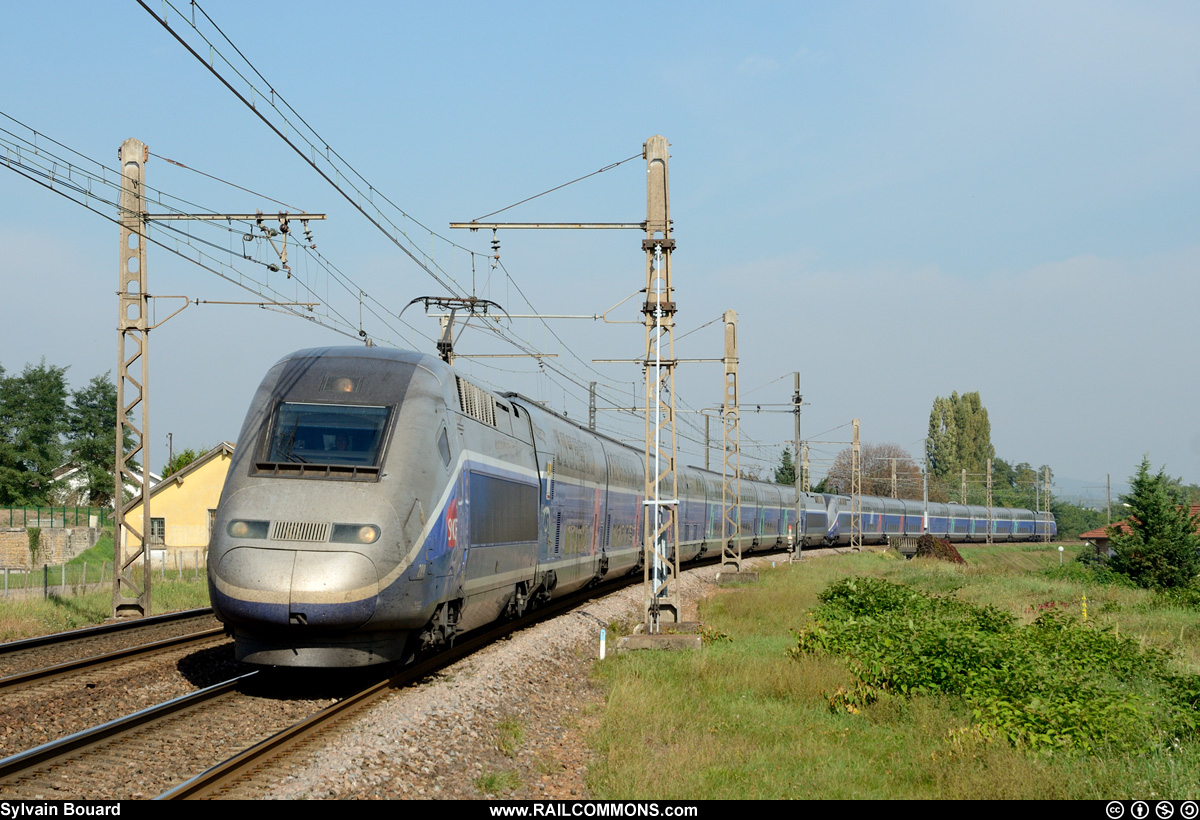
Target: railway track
x=44, y=651
x=232, y=732
x=241, y=769
x=58, y=685
x=227, y=731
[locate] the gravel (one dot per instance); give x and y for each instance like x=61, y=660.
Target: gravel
x=508, y=722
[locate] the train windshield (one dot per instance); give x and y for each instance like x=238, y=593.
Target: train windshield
x=333, y=434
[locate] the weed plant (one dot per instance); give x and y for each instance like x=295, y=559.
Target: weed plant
x=1055, y=683
x=744, y=719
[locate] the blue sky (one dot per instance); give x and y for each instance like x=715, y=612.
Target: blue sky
x=900, y=201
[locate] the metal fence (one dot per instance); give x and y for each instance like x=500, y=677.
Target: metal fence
x=55, y=516
x=80, y=577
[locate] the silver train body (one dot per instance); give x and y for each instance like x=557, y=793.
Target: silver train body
x=378, y=504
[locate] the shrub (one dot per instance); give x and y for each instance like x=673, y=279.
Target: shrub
x=930, y=547
x=1053, y=684
x=1161, y=548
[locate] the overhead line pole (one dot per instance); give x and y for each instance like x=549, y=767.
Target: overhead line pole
x=661, y=486
x=801, y=481
x=731, y=473
x=661, y=565
x=855, y=491
x=131, y=589
x=131, y=546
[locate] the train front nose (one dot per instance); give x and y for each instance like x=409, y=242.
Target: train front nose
x=291, y=587
x=304, y=593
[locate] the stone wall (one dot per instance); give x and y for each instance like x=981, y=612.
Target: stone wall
x=55, y=546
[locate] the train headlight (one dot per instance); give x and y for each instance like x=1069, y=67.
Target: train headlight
x=355, y=533
x=248, y=529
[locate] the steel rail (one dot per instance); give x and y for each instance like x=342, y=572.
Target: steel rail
x=109, y=658
x=16, y=765
x=228, y=773
x=102, y=629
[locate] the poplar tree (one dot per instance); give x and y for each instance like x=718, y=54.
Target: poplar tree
x=960, y=436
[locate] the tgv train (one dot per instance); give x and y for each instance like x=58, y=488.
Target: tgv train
x=378, y=504
x=828, y=519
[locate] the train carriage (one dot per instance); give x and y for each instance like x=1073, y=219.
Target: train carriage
x=378, y=504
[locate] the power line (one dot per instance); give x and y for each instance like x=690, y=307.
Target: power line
x=364, y=201
x=560, y=187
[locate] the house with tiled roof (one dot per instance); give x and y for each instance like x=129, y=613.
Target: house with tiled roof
x=1097, y=539
x=182, y=508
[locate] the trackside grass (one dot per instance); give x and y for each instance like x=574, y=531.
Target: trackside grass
x=824, y=694
x=28, y=617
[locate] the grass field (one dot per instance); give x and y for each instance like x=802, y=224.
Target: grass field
x=27, y=616
x=746, y=719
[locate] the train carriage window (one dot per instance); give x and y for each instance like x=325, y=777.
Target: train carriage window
x=332, y=434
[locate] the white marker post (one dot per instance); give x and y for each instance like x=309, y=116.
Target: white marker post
x=603, y=633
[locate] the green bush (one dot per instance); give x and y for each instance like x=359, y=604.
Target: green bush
x=1160, y=548
x=1053, y=684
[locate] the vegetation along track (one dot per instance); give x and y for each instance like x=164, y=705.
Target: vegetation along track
x=227, y=731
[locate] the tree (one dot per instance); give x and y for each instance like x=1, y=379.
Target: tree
x=1161, y=548
x=785, y=473
x=32, y=423
x=1073, y=520
x=180, y=460
x=960, y=436
x=92, y=438
x=942, y=444
x=877, y=471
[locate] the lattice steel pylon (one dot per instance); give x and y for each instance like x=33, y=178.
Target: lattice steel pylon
x=855, y=491
x=1046, y=508
x=131, y=592
x=990, y=524
x=661, y=527
x=731, y=463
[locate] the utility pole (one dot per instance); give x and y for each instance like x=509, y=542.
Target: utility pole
x=1046, y=504
x=1108, y=498
x=131, y=589
x=731, y=473
x=804, y=485
x=893, y=462
x=661, y=498
x=661, y=572
x=855, y=491
x=963, y=494
x=990, y=527
x=798, y=400
x=925, y=492
x=131, y=548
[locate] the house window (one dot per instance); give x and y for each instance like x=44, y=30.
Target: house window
x=212, y=516
x=158, y=531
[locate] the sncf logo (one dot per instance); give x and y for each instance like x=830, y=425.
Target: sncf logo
x=452, y=523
